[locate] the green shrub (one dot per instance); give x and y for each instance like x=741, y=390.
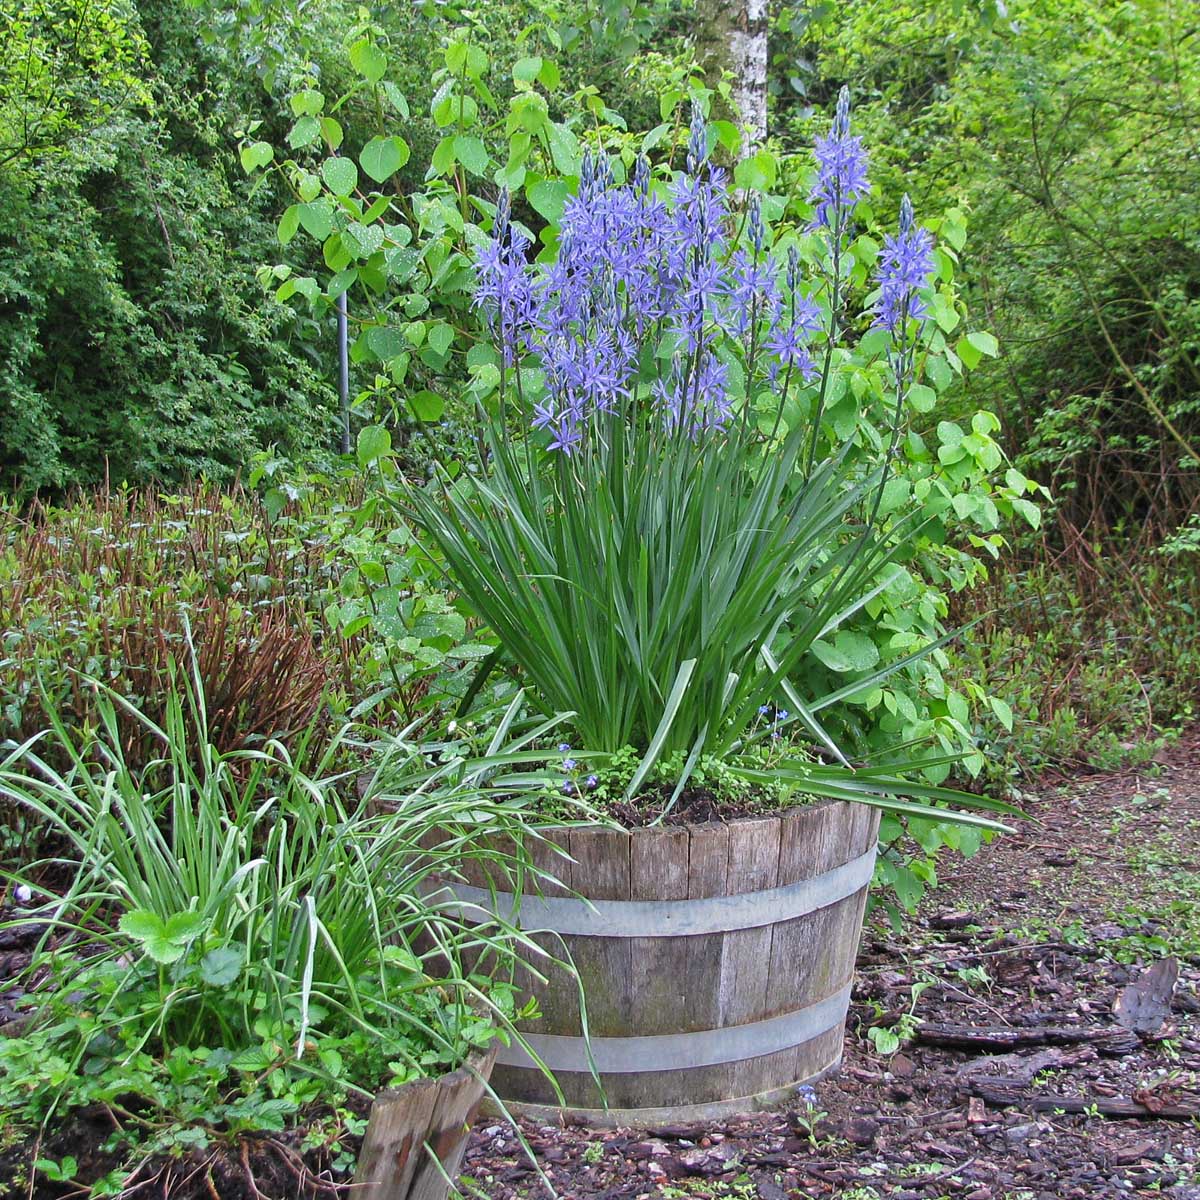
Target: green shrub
x=248, y=934
x=323, y=602
x=134, y=344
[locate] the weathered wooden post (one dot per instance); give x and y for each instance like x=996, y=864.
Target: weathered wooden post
x=417, y=1134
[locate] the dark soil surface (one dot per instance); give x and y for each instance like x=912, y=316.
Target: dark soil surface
x=695, y=806
x=1030, y=944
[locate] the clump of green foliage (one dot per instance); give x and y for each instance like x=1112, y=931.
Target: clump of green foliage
x=134, y=346
x=71, y=65
x=406, y=269
x=246, y=935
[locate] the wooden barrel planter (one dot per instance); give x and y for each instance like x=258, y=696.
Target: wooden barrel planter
x=716, y=962
x=394, y=1163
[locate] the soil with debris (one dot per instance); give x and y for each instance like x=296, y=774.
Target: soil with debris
x=1055, y=1051
x=694, y=806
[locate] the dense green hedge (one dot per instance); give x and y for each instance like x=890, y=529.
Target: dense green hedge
x=134, y=340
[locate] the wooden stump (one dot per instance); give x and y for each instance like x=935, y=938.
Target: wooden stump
x=716, y=962
x=412, y=1126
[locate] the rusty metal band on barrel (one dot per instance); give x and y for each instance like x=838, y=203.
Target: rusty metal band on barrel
x=669, y=918
x=681, y=1051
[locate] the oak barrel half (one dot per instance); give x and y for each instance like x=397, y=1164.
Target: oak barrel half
x=716, y=962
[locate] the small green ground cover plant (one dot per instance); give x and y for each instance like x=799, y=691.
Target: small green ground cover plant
x=245, y=939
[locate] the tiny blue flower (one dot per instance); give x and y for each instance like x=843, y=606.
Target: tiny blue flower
x=564, y=747
x=568, y=788
x=782, y=715
x=764, y=710
x=593, y=781
x=569, y=764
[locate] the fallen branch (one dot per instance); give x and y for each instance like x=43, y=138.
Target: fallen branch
x=1109, y=1041
x=1002, y=1091
x=1024, y=1068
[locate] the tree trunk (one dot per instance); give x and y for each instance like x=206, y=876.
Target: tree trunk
x=731, y=35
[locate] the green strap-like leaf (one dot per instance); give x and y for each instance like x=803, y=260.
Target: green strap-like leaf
x=674, y=699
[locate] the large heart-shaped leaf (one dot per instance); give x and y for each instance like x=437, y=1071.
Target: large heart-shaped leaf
x=340, y=175
x=381, y=157
x=849, y=651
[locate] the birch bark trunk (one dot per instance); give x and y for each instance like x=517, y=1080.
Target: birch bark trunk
x=732, y=35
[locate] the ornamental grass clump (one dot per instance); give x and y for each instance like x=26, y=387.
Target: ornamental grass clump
x=651, y=534
x=245, y=933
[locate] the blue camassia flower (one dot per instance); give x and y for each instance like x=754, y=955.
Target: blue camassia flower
x=905, y=264
x=637, y=270
x=841, y=171
x=657, y=306
x=788, y=342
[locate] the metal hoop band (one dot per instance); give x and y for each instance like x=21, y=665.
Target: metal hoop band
x=673, y=918
x=680, y=1051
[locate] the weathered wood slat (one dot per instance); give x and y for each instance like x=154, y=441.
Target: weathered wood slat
x=753, y=866
x=601, y=872
x=558, y=999
x=708, y=862
x=409, y=1124
x=459, y=1096
x=658, y=871
x=551, y=854
x=392, y=1147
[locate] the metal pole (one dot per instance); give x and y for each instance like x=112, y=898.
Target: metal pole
x=344, y=370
